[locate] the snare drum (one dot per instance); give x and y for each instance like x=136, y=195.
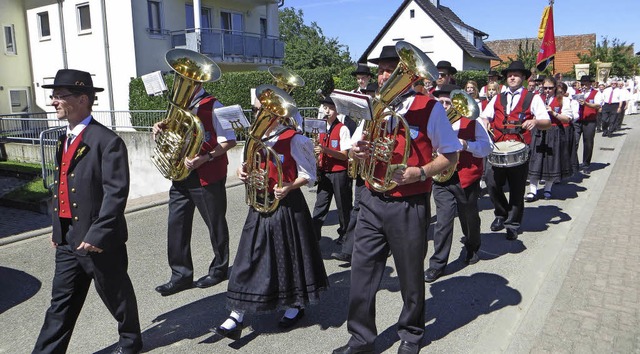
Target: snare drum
x=508, y=154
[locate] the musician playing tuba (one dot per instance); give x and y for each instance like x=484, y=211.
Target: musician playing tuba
x=460, y=192
x=203, y=188
x=278, y=263
x=396, y=219
x=333, y=180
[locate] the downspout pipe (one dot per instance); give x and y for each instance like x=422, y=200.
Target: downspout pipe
x=107, y=60
x=63, y=41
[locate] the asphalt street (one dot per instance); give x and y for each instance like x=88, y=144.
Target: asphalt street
x=500, y=305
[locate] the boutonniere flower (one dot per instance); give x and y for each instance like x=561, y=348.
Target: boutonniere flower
x=79, y=152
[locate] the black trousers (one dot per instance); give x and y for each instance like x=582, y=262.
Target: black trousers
x=71, y=281
x=586, y=129
x=347, y=245
x=211, y=201
x=619, y=119
x=449, y=198
x=609, y=117
x=511, y=210
x=399, y=225
x=330, y=184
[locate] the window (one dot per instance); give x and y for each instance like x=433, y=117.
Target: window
x=84, y=18
x=412, y=13
x=19, y=101
x=43, y=25
x=9, y=40
x=427, y=43
x=205, y=17
x=263, y=27
x=154, y=10
x=231, y=22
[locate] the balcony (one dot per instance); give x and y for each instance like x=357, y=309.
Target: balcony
x=231, y=46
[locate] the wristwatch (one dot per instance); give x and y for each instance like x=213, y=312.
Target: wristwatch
x=423, y=175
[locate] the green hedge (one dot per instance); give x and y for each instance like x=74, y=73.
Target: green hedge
x=479, y=76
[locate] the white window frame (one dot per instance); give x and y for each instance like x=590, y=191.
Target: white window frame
x=427, y=42
x=79, y=18
x=233, y=30
x=12, y=34
x=40, y=35
x=27, y=95
x=159, y=31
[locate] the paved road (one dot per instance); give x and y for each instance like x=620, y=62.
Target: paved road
x=550, y=291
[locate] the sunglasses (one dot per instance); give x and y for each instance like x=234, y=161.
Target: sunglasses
x=548, y=87
x=59, y=97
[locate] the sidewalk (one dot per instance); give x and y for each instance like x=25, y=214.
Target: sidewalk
x=597, y=309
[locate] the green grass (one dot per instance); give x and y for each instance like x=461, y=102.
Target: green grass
x=33, y=191
x=21, y=167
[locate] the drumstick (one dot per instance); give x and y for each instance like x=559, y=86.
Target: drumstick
x=494, y=138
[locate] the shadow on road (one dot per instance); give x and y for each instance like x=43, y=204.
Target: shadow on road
x=16, y=287
x=455, y=302
x=541, y=216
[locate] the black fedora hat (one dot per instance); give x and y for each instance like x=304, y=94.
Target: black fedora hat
x=327, y=100
x=494, y=73
x=445, y=90
x=443, y=64
x=539, y=78
x=517, y=65
x=587, y=78
x=73, y=79
x=388, y=53
x=362, y=69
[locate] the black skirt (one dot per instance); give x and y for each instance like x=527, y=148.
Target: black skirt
x=553, y=154
x=278, y=263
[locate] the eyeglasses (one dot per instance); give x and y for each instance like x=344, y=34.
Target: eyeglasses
x=442, y=74
x=59, y=97
x=548, y=87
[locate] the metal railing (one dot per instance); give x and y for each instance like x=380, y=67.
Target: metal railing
x=223, y=43
x=48, y=139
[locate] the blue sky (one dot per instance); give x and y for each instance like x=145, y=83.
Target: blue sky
x=356, y=22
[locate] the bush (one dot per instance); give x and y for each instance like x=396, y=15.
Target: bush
x=479, y=76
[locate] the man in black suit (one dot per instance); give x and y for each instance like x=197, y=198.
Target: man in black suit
x=89, y=228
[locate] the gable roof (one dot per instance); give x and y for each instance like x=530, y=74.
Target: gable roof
x=442, y=16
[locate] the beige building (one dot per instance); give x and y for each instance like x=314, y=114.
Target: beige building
x=15, y=73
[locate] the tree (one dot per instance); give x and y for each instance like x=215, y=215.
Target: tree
x=306, y=47
x=527, y=54
x=624, y=62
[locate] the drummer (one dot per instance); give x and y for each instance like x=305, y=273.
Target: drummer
x=512, y=115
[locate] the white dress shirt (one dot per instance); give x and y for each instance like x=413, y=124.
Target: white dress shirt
x=482, y=146
x=76, y=131
x=538, y=108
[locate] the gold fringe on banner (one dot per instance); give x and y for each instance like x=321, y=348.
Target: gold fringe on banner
x=543, y=22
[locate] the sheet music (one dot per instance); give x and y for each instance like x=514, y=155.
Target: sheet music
x=315, y=126
x=354, y=105
x=578, y=97
x=153, y=83
x=231, y=117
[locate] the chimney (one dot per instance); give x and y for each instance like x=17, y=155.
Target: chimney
x=435, y=3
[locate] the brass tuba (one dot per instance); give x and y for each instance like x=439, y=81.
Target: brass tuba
x=414, y=65
x=276, y=105
x=287, y=81
x=184, y=133
x=462, y=105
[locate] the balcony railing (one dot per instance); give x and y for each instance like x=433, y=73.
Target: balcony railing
x=230, y=46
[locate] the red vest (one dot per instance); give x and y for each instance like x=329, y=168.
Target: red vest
x=331, y=141
x=556, y=107
x=212, y=171
x=289, y=167
x=588, y=114
x=64, y=204
x=469, y=167
x=420, y=153
x=484, y=104
x=503, y=125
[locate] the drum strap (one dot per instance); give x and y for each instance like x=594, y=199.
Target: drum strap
x=525, y=106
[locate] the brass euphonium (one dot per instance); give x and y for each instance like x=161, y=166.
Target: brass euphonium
x=462, y=105
x=414, y=65
x=286, y=80
x=276, y=104
x=183, y=134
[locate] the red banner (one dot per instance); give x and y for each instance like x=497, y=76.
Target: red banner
x=548, y=47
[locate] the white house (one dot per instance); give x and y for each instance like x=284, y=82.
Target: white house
x=437, y=31
x=117, y=40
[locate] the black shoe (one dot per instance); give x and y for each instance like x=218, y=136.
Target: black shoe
x=350, y=350
x=341, y=256
x=408, y=348
x=286, y=322
x=471, y=258
x=233, y=333
x=512, y=234
x=432, y=274
x=209, y=281
x=171, y=287
x=497, y=224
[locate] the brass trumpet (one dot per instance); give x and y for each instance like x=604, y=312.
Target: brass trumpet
x=276, y=104
x=462, y=105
